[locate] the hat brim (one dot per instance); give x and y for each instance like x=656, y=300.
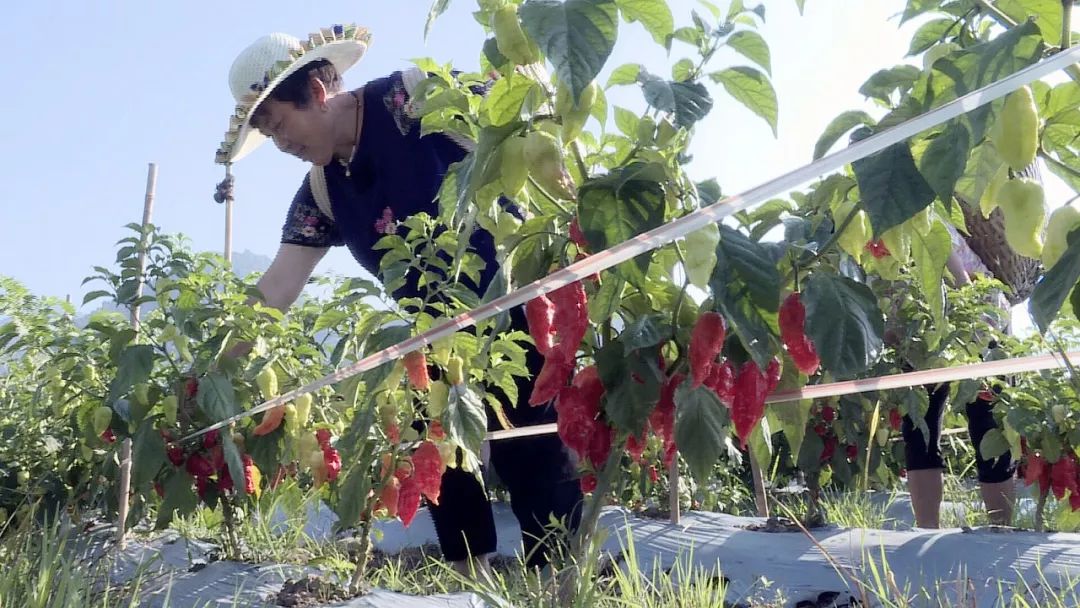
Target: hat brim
x=342, y=54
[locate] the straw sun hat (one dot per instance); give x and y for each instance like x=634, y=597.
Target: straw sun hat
x=271, y=59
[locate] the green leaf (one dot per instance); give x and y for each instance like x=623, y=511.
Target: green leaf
x=1047, y=13
x=932, y=32
x=791, y=416
x=577, y=36
x=134, y=367
x=179, y=498
x=745, y=320
x=700, y=427
x=682, y=70
x=993, y=444
x=215, y=397
x=945, y=159
x=844, y=322
x=840, y=125
x=930, y=252
x=883, y=83
x=93, y=295
x=626, y=121
x=437, y=8
x=982, y=164
x=690, y=101
x=751, y=45
x=607, y=299
x=754, y=264
x=620, y=207
x=503, y=103
x=624, y=74
x=654, y=15
x=751, y=88
x=993, y=60
x=147, y=454
x=891, y=186
x=643, y=332
x=800, y=4
x=235, y=462
x=465, y=419
x=1051, y=291
x=352, y=497
x=635, y=394
x=1074, y=301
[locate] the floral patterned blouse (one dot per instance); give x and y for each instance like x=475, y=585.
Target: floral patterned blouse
x=394, y=174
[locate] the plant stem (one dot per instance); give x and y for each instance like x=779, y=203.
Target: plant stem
x=1057, y=163
x=1066, y=24
x=591, y=515
x=829, y=243
x=548, y=196
x=365, y=551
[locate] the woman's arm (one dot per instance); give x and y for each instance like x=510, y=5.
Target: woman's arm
x=284, y=280
x=288, y=273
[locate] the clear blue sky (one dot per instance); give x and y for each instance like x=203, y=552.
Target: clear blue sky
x=93, y=91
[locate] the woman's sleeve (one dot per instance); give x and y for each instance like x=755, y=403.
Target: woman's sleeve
x=306, y=225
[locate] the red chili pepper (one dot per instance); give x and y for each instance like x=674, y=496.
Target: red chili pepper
x=552, y=378
x=198, y=466
x=895, y=419
x=175, y=454
x=706, y=342
x=793, y=334
x=1063, y=476
x=333, y=462
x=588, y=483
x=821, y=430
x=249, y=475
x=722, y=381
x=408, y=500
x=877, y=249
x=577, y=236
x=600, y=445
x=751, y=388
x=828, y=414
x=1037, y=471
x=852, y=452
x=203, y=486
x=210, y=439
x=428, y=469
x=662, y=419
x=436, y=431
x=829, y=449
x=654, y=475
x=772, y=375
x=571, y=318
x=191, y=387
x=540, y=315
x=108, y=436
x=323, y=436
x=416, y=367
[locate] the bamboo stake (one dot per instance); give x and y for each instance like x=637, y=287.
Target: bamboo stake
x=228, y=215
x=673, y=491
x=125, y=448
x=760, y=498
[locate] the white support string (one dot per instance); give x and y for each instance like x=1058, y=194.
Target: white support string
x=678, y=228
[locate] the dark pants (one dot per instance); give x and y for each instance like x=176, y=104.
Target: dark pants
x=537, y=471
x=921, y=455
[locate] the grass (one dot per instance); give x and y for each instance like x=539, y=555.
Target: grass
x=41, y=572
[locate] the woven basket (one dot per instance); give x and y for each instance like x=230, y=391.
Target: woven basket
x=986, y=237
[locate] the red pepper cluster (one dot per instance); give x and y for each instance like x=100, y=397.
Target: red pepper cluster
x=330, y=454
x=579, y=423
x=428, y=469
x=1061, y=477
x=877, y=249
x=416, y=367
x=706, y=342
x=662, y=419
x=557, y=326
x=752, y=386
x=793, y=334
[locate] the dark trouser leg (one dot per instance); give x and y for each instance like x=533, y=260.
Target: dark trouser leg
x=924, y=463
x=463, y=519
x=995, y=474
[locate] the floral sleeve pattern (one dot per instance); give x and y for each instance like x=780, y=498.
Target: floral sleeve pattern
x=306, y=225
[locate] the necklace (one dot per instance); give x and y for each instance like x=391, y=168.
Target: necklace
x=347, y=164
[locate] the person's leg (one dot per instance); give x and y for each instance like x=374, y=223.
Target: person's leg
x=463, y=522
x=540, y=477
x=924, y=463
x=995, y=474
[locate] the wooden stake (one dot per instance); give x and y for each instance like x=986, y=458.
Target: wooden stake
x=125, y=447
x=228, y=217
x=759, y=488
x=673, y=490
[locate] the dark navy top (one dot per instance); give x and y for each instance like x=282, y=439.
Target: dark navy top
x=394, y=174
